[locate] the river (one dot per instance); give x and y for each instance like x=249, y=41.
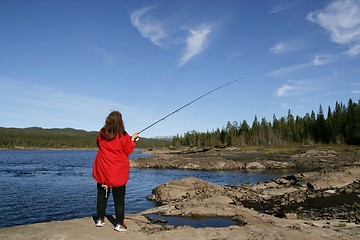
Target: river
x=43, y=185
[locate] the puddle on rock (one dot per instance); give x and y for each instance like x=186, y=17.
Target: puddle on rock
x=193, y=222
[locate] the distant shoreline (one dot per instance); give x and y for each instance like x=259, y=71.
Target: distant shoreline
x=245, y=148
x=50, y=149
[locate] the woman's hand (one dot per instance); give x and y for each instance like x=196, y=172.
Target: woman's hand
x=135, y=137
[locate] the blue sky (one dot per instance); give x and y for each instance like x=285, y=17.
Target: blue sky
x=69, y=63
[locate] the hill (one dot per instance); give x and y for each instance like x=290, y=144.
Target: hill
x=60, y=138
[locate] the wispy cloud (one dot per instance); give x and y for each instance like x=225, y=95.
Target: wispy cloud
x=284, y=90
x=341, y=19
x=280, y=6
x=44, y=106
x=279, y=48
x=355, y=91
x=282, y=47
x=195, y=43
x=288, y=69
x=297, y=88
x=154, y=30
x=354, y=49
x=318, y=60
x=107, y=58
x=148, y=26
x=321, y=60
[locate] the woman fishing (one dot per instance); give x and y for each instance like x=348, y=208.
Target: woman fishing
x=111, y=167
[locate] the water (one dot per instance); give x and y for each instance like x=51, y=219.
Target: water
x=41, y=185
x=193, y=222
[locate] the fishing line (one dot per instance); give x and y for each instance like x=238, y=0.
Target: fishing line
x=189, y=103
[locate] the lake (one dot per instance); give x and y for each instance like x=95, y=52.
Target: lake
x=48, y=185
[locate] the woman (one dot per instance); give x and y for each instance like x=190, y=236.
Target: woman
x=111, y=167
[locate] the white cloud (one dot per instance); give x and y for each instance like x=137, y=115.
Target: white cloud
x=287, y=46
x=280, y=6
x=154, y=30
x=284, y=90
x=353, y=50
x=355, y=91
x=195, y=43
x=341, y=19
x=298, y=88
x=321, y=60
x=279, y=48
x=148, y=26
x=317, y=61
x=288, y=69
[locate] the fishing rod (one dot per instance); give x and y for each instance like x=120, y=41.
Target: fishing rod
x=189, y=103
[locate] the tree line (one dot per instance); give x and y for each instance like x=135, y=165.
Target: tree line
x=66, y=138
x=341, y=125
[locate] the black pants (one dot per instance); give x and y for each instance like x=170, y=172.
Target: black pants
x=119, y=202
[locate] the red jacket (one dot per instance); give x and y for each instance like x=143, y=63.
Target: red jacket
x=111, y=165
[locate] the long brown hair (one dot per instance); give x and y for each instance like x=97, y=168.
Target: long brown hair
x=114, y=125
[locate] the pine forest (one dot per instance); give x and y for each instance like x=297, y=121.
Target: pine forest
x=338, y=126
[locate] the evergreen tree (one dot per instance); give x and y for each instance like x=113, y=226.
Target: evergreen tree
x=290, y=132
x=330, y=126
x=340, y=125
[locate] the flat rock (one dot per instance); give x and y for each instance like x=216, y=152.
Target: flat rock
x=183, y=189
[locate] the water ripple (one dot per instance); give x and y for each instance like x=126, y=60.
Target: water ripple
x=40, y=186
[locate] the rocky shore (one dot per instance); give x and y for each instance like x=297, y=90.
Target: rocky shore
x=235, y=159
x=320, y=204
x=330, y=192
x=207, y=163
x=326, y=195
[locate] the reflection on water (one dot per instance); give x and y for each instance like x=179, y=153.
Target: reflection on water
x=193, y=222
x=41, y=185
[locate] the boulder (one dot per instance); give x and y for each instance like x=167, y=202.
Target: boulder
x=254, y=165
x=183, y=189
